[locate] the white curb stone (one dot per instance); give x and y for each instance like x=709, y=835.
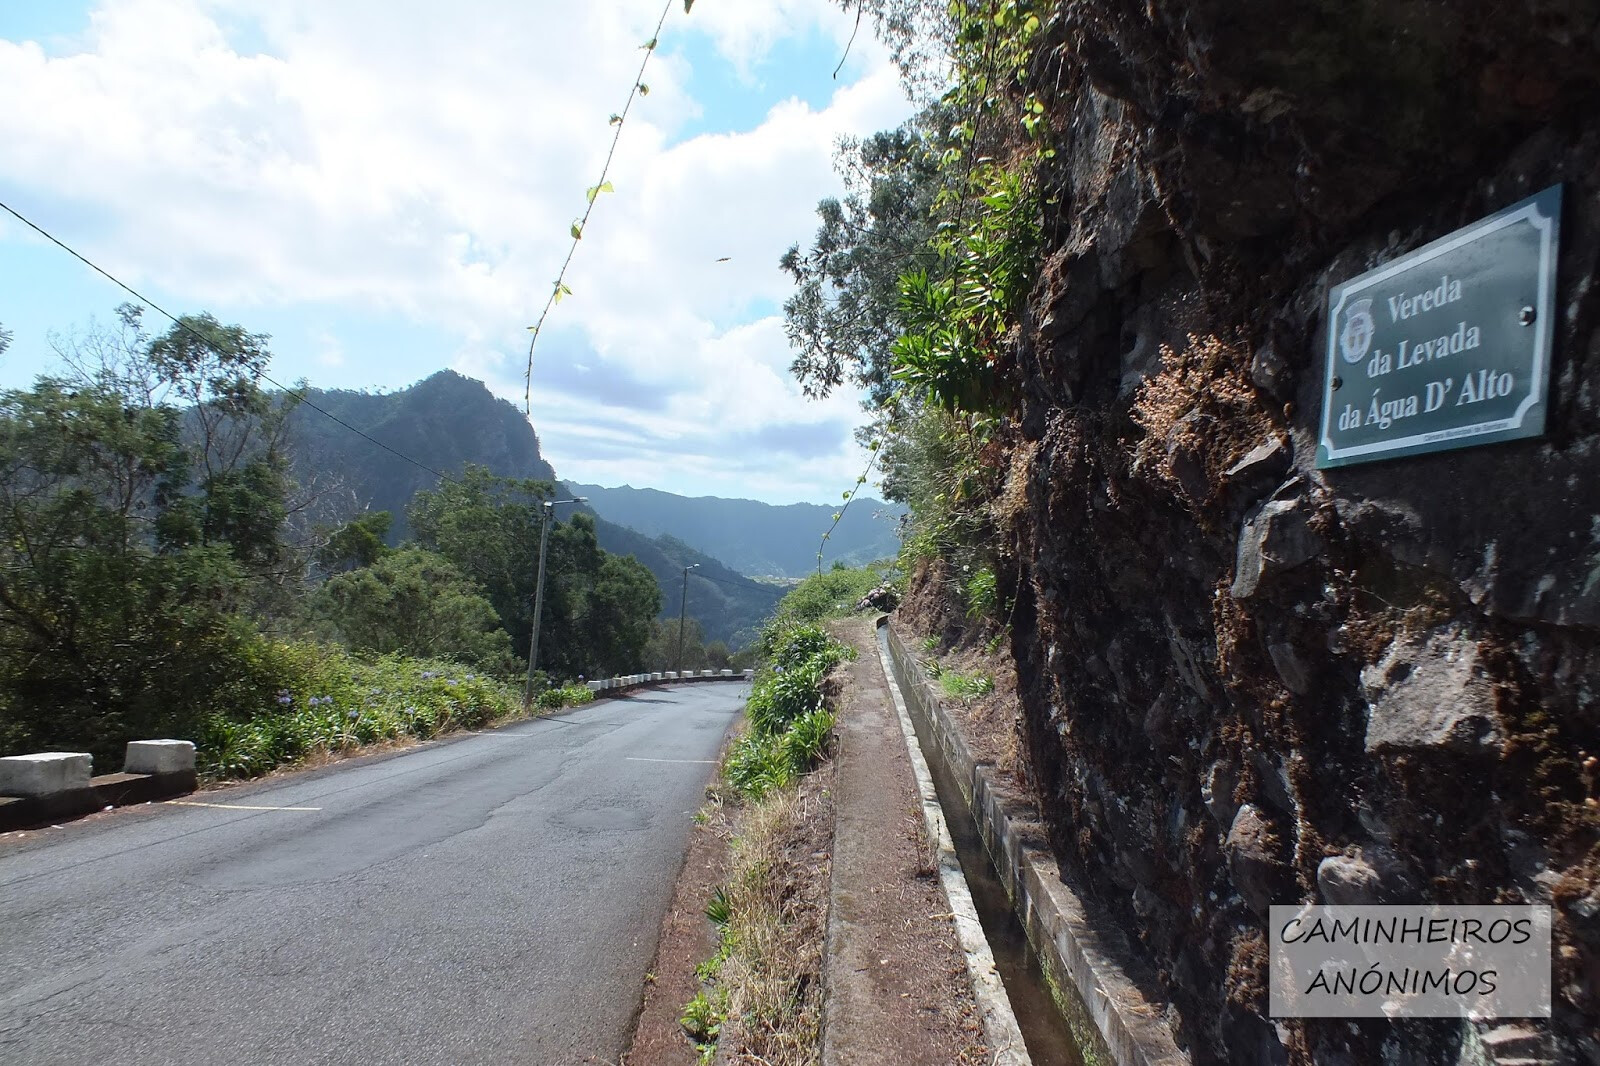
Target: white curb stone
x=159, y=757
x=44, y=773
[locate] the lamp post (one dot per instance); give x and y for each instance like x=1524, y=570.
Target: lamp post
x=538, y=594
x=683, y=607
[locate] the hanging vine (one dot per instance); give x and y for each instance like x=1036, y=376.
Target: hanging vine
x=603, y=185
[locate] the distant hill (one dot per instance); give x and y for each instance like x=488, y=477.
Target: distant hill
x=448, y=421
x=445, y=421
x=755, y=538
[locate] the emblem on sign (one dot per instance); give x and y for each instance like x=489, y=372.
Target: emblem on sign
x=1356, y=339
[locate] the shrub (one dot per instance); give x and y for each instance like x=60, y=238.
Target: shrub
x=790, y=645
x=833, y=594
x=982, y=594
x=966, y=686
x=328, y=700
x=757, y=764
x=807, y=739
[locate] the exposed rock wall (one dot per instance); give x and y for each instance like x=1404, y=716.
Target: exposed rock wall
x=1244, y=680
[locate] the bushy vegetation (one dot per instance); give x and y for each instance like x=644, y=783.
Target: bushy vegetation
x=830, y=594
x=332, y=701
x=162, y=574
x=914, y=281
x=789, y=720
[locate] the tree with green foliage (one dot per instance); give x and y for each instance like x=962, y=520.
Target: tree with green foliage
x=597, y=607
x=112, y=620
x=845, y=313
x=661, y=651
x=232, y=431
x=357, y=543
x=142, y=498
x=617, y=613
x=414, y=602
x=489, y=528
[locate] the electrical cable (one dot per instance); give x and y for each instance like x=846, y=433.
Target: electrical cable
x=176, y=321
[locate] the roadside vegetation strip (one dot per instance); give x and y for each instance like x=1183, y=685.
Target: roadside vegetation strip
x=337, y=703
x=761, y=993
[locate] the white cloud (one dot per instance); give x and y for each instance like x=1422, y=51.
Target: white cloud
x=425, y=161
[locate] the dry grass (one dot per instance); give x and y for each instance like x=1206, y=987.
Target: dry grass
x=771, y=973
x=1012, y=502
x=1201, y=404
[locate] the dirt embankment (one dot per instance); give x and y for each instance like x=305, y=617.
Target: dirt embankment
x=1243, y=680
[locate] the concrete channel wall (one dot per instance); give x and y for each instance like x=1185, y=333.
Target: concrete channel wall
x=1086, y=965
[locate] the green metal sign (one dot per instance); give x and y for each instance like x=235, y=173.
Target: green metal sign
x=1447, y=347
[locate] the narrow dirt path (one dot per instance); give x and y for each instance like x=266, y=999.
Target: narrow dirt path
x=897, y=985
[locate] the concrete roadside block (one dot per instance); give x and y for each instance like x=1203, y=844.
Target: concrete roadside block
x=672, y=675
x=159, y=757
x=594, y=686
x=727, y=673
x=46, y=773
x=45, y=786
x=151, y=770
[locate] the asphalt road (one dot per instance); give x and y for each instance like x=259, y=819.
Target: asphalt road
x=488, y=899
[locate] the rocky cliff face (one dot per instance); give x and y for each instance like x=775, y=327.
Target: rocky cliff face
x=1244, y=680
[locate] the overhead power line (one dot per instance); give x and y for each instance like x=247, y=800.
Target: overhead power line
x=181, y=324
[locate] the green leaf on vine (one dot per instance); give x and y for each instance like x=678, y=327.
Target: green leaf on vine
x=577, y=231
x=596, y=190
x=644, y=90
x=562, y=290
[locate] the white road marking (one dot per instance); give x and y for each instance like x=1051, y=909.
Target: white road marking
x=236, y=806
x=699, y=762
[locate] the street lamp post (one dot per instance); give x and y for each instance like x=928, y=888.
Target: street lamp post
x=538, y=594
x=683, y=607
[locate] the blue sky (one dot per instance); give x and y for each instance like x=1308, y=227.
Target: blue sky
x=385, y=189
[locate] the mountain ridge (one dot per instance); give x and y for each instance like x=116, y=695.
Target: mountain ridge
x=447, y=421
x=769, y=540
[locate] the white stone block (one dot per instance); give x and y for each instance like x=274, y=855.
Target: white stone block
x=672, y=675
x=748, y=674
x=159, y=757
x=727, y=673
x=594, y=686
x=45, y=773
x=707, y=673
